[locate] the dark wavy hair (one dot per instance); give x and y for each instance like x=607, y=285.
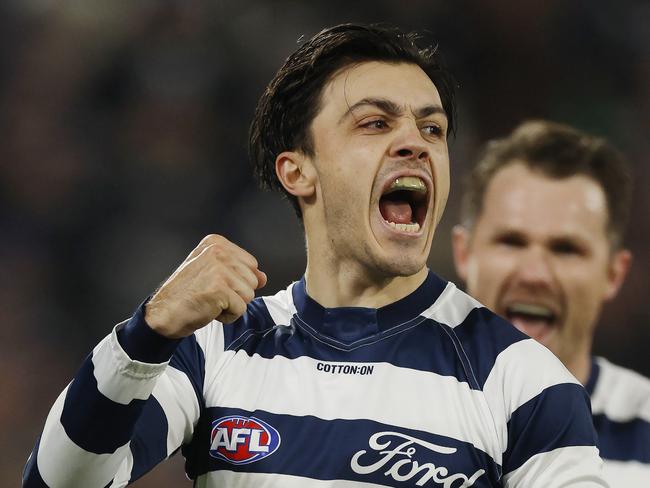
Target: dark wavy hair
x=292, y=99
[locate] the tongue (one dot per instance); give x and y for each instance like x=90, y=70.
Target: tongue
x=531, y=326
x=397, y=211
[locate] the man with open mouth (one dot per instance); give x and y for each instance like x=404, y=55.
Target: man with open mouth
x=370, y=370
x=541, y=243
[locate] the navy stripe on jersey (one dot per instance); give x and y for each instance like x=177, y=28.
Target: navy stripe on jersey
x=31, y=475
x=558, y=417
x=402, y=349
x=256, y=321
x=301, y=451
x=482, y=342
x=196, y=452
x=623, y=441
x=91, y=420
x=483, y=335
x=149, y=444
x=475, y=343
x=190, y=359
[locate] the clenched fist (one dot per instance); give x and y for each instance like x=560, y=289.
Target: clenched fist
x=217, y=280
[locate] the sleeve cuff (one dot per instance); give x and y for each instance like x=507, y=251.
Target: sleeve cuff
x=142, y=343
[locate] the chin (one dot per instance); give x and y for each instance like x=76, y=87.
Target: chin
x=401, y=265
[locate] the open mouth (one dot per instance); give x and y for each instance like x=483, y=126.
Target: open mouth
x=403, y=205
x=532, y=319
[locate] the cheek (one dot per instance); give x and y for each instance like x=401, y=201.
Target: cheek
x=586, y=296
x=485, y=273
x=351, y=171
x=442, y=183
x=585, y=291
x=587, y=283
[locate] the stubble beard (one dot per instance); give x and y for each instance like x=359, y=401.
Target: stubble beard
x=403, y=265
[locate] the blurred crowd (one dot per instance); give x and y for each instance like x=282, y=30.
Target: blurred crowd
x=124, y=129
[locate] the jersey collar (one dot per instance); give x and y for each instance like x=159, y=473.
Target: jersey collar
x=349, y=324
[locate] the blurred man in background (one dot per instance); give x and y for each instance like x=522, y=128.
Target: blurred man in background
x=541, y=243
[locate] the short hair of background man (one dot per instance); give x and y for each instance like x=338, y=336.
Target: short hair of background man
x=291, y=101
x=557, y=151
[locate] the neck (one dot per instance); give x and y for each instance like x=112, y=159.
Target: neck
x=580, y=367
x=347, y=284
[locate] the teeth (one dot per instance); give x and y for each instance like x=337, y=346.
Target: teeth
x=530, y=309
x=411, y=183
x=415, y=227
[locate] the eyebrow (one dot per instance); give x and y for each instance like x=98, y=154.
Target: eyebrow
x=393, y=109
x=574, y=238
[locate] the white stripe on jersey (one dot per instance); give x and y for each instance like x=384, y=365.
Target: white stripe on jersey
x=118, y=377
x=452, y=315
x=211, y=341
x=567, y=466
x=178, y=400
x=248, y=387
x=85, y=468
x=280, y=306
x=232, y=479
x=626, y=473
x=513, y=366
x=621, y=394
x=123, y=476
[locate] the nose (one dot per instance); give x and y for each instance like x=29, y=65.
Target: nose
x=535, y=269
x=409, y=143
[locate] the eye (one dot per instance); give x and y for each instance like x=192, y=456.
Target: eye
x=510, y=239
x=378, y=124
x=431, y=129
x=566, y=248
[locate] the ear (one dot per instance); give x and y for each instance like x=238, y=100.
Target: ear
x=460, y=241
x=618, y=267
x=296, y=173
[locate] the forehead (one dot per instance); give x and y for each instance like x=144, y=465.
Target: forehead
x=403, y=83
x=529, y=201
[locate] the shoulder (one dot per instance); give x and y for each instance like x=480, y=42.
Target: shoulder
x=533, y=401
x=492, y=346
x=620, y=393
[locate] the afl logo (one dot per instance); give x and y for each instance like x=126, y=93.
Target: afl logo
x=242, y=440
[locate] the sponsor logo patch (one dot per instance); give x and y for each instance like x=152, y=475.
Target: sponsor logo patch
x=242, y=440
x=392, y=453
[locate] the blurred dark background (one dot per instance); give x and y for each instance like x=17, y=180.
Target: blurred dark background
x=124, y=125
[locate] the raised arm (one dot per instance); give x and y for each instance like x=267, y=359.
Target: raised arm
x=138, y=396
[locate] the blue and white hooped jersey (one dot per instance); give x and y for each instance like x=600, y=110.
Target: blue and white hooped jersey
x=620, y=402
x=433, y=390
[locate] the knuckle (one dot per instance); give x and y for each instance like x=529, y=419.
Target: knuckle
x=211, y=239
x=215, y=250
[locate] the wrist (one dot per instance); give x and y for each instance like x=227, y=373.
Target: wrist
x=142, y=342
x=158, y=319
